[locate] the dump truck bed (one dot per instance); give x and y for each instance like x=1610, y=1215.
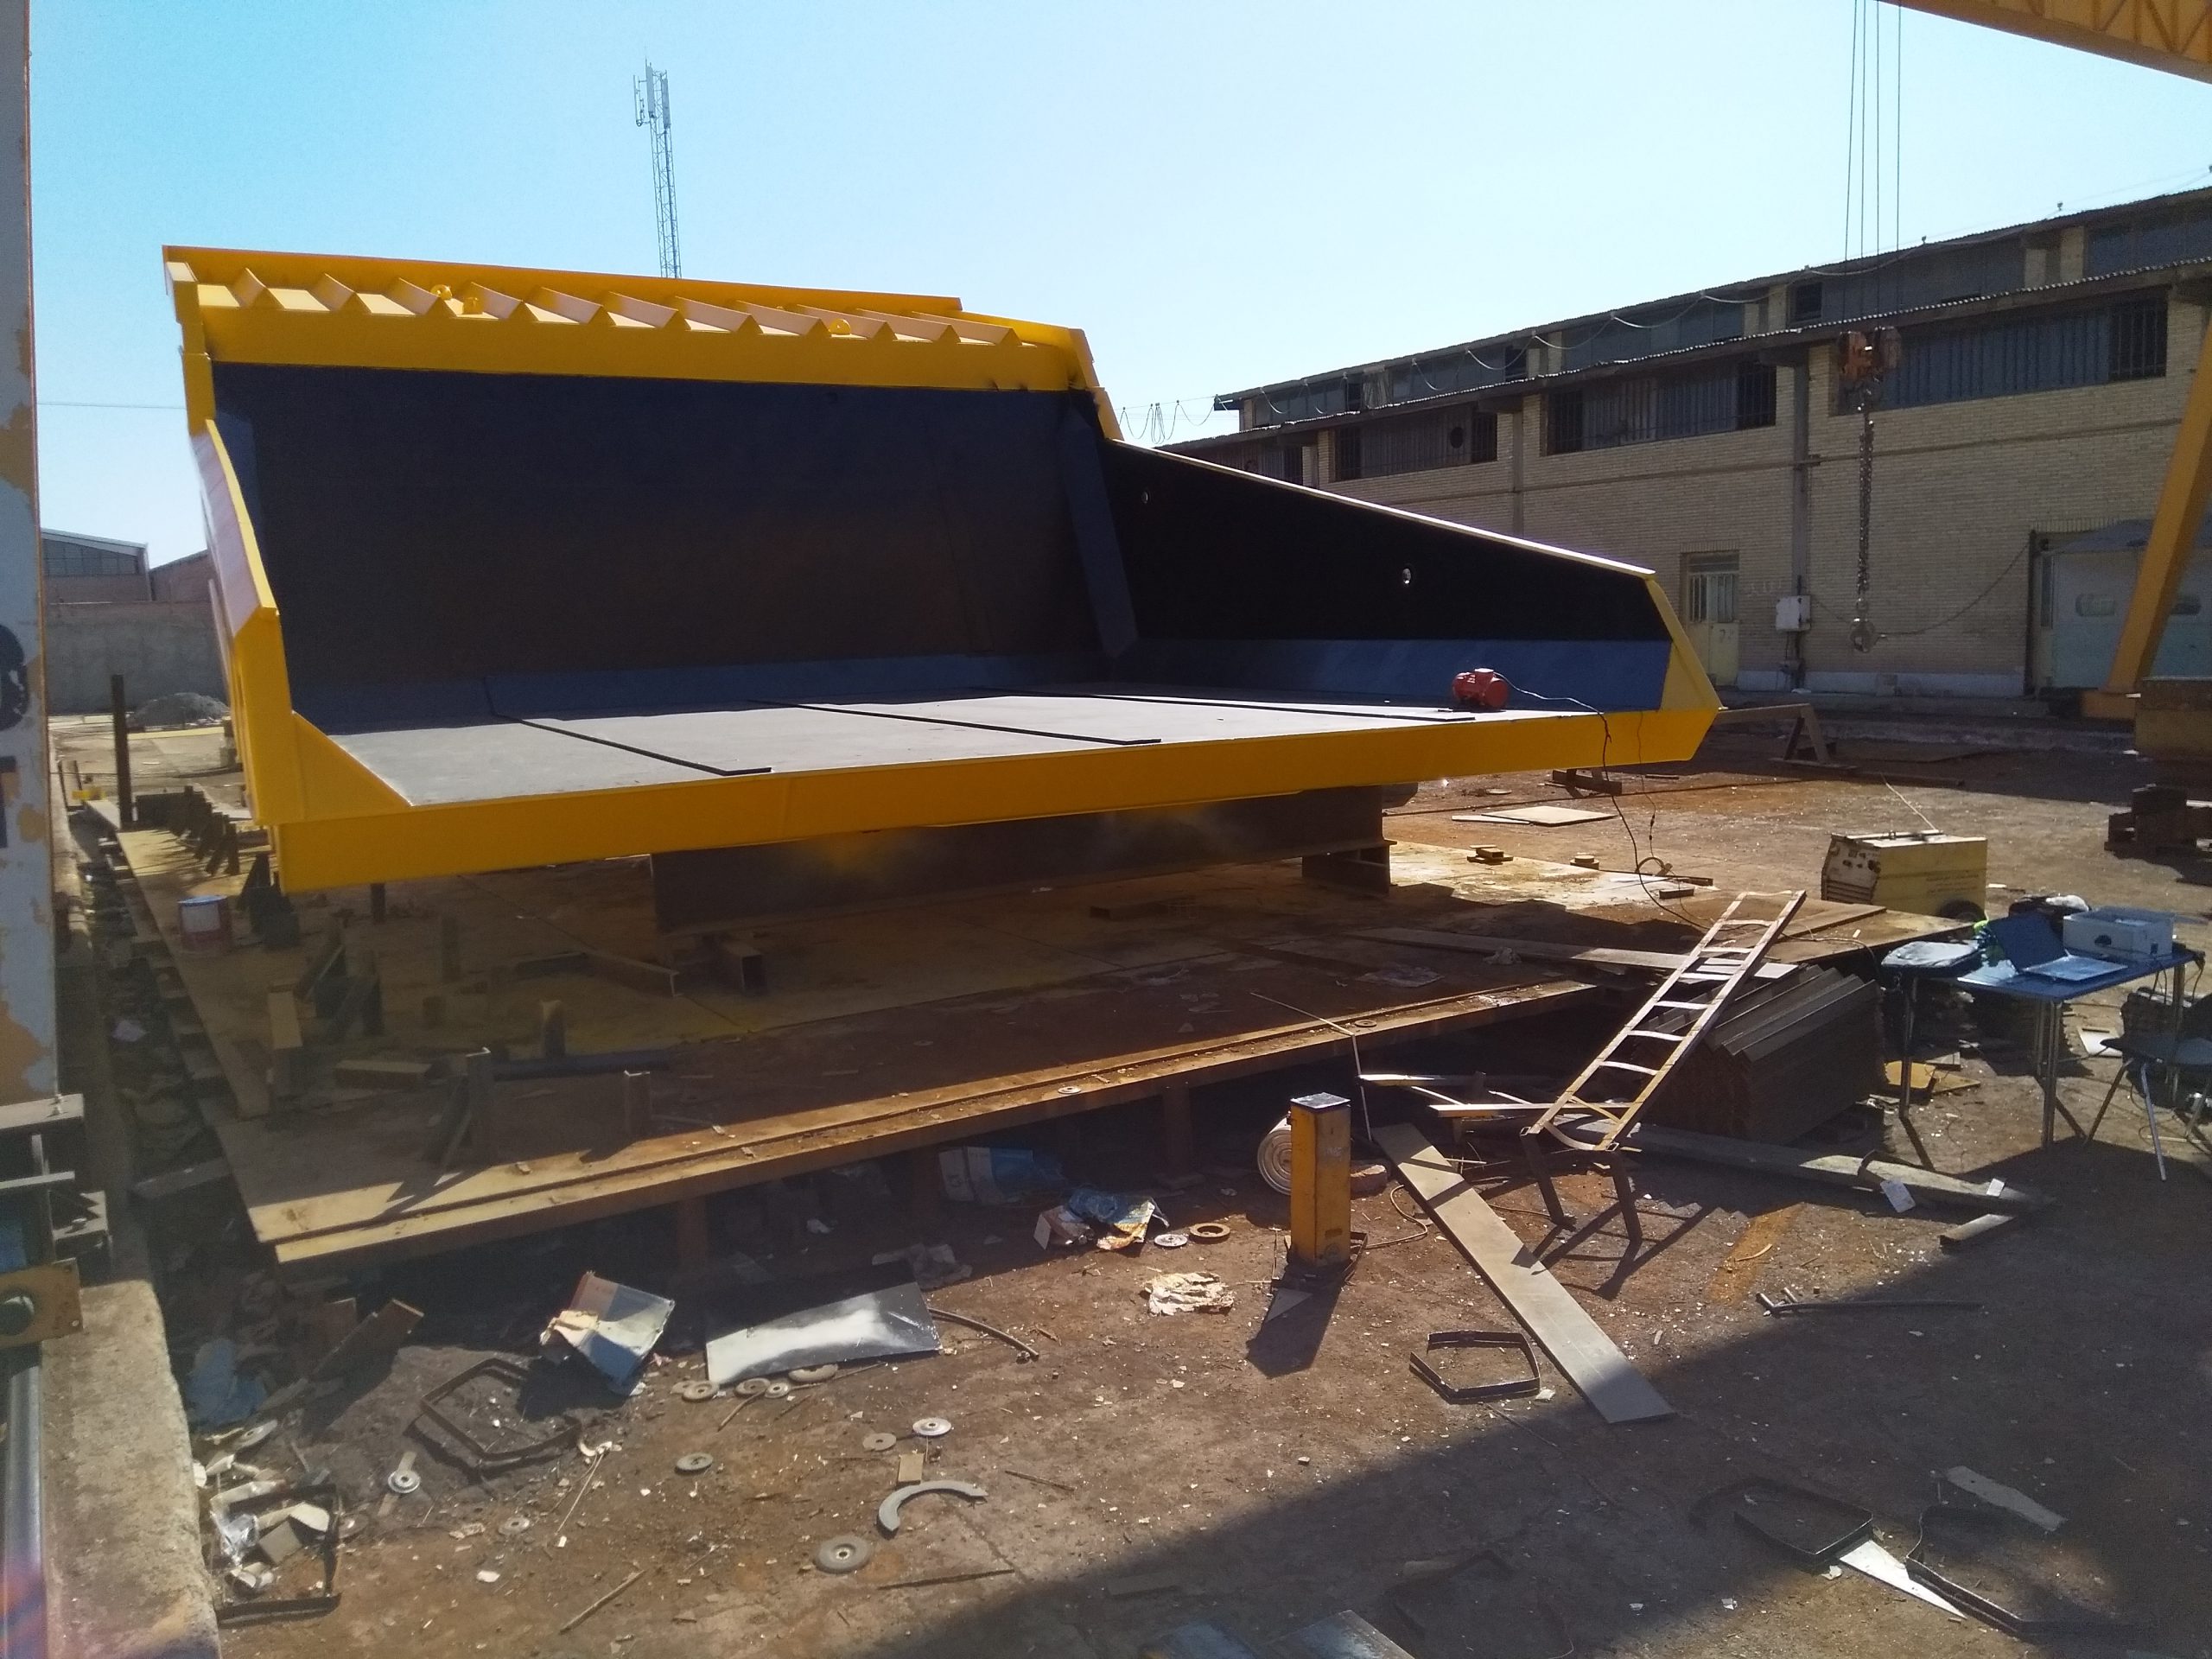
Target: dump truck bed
x=444, y=764
x=527, y=567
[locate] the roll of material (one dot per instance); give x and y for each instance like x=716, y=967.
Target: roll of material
x=1274, y=1157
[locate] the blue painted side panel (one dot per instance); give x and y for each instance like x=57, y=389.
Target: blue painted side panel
x=1614, y=675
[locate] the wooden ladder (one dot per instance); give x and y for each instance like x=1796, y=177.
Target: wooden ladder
x=1732, y=948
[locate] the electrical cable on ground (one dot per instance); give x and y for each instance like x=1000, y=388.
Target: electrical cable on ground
x=1637, y=857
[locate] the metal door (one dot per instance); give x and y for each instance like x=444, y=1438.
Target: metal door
x=1709, y=611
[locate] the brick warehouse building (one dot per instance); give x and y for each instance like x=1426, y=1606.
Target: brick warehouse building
x=1710, y=437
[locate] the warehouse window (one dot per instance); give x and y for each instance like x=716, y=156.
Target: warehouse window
x=1563, y=422
x=2139, y=339
x=2007, y=355
x=2167, y=236
x=1348, y=455
x=1423, y=442
x=81, y=559
x=1649, y=408
x=1754, y=396
x=1804, y=303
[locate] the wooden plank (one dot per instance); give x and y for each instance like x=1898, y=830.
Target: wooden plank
x=1861, y=1174
x=1593, y=955
x=152, y=1189
x=386, y=1210
x=1616, y=1389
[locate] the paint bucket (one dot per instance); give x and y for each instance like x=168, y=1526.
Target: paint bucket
x=205, y=922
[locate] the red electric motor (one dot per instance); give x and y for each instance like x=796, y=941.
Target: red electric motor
x=1481, y=688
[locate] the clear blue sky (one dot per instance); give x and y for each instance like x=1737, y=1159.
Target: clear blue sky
x=1220, y=192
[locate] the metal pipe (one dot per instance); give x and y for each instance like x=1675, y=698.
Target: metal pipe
x=23, y=1537
x=119, y=713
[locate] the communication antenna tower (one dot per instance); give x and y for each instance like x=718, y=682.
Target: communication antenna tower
x=652, y=95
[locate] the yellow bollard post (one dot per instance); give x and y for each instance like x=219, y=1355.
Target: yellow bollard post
x=1320, y=1183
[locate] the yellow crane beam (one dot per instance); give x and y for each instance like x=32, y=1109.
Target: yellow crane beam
x=2175, y=35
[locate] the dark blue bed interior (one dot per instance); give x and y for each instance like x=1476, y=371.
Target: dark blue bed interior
x=451, y=547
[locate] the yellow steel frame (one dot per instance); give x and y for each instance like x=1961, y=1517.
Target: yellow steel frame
x=2165, y=551
x=334, y=822
x=2175, y=35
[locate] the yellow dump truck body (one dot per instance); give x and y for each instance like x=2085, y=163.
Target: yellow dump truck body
x=522, y=567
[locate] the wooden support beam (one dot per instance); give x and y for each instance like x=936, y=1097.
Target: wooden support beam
x=1177, y=1152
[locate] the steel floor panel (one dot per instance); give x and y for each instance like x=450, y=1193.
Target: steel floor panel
x=501, y=759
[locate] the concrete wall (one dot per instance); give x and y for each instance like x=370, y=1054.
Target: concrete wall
x=185, y=578
x=159, y=647
x=95, y=590
x=1960, y=489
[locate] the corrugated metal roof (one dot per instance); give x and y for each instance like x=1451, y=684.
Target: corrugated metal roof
x=1785, y=339
x=1742, y=292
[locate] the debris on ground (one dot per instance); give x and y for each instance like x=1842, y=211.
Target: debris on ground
x=2004, y=1496
x=1181, y=1292
x=1114, y=1221
x=216, y=1392
x=613, y=1328
x=833, y=1320
x=178, y=709
x=888, y=1513
x=998, y=1175
x=934, y=1266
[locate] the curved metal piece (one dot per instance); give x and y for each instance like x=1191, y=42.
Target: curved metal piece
x=887, y=1514
x=1022, y=1348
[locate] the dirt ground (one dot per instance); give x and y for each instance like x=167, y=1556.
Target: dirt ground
x=1147, y=1471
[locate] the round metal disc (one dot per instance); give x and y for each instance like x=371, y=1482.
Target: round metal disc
x=694, y=1463
x=1171, y=1241
x=1207, y=1232
x=929, y=1428
x=776, y=1389
x=514, y=1526
x=404, y=1482
x=846, y=1553
x=753, y=1385
x=695, y=1391
x=814, y=1373
x=878, y=1442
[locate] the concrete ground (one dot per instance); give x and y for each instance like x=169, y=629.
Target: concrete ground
x=1146, y=1469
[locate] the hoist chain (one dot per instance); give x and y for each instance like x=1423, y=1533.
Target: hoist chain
x=1862, y=627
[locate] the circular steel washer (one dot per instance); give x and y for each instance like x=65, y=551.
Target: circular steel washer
x=514, y=1526
x=813, y=1374
x=846, y=1553
x=930, y=1428
x=695, y=1391
x=1207, y=1232
x=1171, y=1241
x=878, y=1441
x=777, y=1388
x=404, y=1482
x=694, y=1463
x=754, y=1385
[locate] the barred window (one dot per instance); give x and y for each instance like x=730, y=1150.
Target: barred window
x=1418, y=442
x=2004, y=356
x=1647, y=409
x=65, y=558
